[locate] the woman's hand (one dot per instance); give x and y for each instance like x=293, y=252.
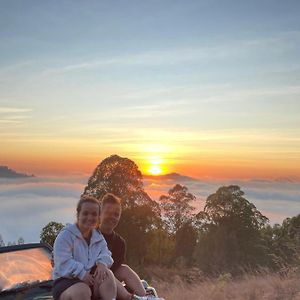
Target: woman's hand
x=88, y=279
x=100, y=273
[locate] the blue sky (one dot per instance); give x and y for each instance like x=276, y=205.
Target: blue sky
x=99, y=77
x=208, y=89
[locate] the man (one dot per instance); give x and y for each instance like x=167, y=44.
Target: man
x=109, y=219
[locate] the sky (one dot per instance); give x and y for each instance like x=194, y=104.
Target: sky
x=208, y=89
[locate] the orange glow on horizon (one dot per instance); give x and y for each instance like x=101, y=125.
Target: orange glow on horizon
x=222, y=162
x=189, y=167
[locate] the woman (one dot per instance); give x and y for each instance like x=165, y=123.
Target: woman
x=82, y=259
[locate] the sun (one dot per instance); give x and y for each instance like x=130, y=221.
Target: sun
x=155, y=170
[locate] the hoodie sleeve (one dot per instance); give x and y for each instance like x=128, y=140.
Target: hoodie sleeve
x=104, y=255
x=64, y=263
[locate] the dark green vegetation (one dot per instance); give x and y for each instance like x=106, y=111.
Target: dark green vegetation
x=50, y=231
x=229, y=235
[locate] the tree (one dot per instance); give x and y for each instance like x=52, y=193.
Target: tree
x=2, y=244
x=230, y=236
x=50, y=232
x=160, y=247
x=179, y=219
x=284, y=242
x=185, y=242
x=21, y=241
x=228, y=203
x=121, y=176
x=289, y=240
x=177, y=208
x=135, y=226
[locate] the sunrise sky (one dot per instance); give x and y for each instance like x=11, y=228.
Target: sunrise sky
x=203, y=88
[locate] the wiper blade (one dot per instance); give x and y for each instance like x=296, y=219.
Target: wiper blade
x=24, y=285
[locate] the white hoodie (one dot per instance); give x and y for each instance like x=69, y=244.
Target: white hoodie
x=73, y=257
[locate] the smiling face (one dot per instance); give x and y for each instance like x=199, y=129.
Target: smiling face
x=110, y=216
x=88, y=216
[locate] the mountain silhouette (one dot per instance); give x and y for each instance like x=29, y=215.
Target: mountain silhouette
x=6, y=172
x=170, y=176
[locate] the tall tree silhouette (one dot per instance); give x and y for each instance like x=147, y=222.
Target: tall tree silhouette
x=121, y=176
x=179, y=219
x=230, y=234
x=177, y=208
x=284, y=242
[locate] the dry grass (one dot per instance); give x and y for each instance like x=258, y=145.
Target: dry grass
x=260, y=287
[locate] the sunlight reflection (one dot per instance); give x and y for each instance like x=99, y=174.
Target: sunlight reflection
x=23, y=266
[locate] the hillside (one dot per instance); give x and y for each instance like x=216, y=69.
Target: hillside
x=6, y=172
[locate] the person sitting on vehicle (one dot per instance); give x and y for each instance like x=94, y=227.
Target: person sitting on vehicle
x=109, y=219
x=82, y=259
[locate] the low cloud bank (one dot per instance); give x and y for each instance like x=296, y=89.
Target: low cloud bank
x=277, y=199
x=28, y=204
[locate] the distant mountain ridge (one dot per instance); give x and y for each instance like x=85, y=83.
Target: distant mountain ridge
x=182, y=178
x=170, y=176
x=6, y=172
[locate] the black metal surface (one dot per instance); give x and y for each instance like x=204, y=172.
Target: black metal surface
x=24, y=247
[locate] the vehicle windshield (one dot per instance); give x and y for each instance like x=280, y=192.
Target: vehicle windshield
x=23, y=267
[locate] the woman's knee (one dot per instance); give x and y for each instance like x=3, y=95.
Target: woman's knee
x=108, y=287
x=109, y=279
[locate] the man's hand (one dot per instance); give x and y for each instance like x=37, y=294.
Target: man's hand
x=88, y=279
x=100, y=273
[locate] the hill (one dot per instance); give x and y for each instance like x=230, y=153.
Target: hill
x=170, y=176
x=6, y=172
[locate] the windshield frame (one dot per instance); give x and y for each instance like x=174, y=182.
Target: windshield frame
x=25, y=246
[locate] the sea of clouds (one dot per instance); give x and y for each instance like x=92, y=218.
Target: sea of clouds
x=28, y=204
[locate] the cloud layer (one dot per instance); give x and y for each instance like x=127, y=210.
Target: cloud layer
x=277, y=199
x=27, y=205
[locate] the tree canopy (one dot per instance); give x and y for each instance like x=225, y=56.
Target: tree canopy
x=177, y=208
x=50, y=232
x=120, y=176
x=141, y=214
x=230, y=236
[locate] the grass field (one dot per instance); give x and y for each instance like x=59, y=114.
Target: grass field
x=259, y=287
